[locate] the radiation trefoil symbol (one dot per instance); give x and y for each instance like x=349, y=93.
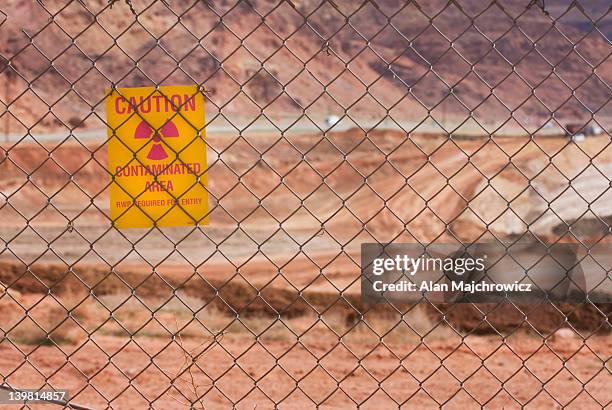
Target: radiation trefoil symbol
x=157, y=151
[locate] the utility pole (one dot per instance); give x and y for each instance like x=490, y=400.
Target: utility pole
x=9, y=74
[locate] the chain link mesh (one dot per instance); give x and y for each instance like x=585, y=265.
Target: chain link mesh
x=329, y=124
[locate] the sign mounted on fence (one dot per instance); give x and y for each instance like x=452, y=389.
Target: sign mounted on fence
x=157, y=156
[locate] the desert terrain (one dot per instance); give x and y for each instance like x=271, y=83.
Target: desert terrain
x=450, y=129
x=273, y=281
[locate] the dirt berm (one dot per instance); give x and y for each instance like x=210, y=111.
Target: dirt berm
x=238, y=297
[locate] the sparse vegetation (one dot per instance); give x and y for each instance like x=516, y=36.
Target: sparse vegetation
x=47, y=325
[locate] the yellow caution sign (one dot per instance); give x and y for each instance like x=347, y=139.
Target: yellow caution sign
x=157, y=156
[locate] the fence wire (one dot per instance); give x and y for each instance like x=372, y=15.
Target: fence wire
x=328, y=124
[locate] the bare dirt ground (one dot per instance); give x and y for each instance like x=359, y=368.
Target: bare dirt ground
x=296, y=254
x=299, y=362
x=130, y=357
x=296, y=380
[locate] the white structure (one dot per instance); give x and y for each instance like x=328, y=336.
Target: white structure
x=331, y=120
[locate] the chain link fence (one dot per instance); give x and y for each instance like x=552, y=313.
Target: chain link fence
x=328, y=124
